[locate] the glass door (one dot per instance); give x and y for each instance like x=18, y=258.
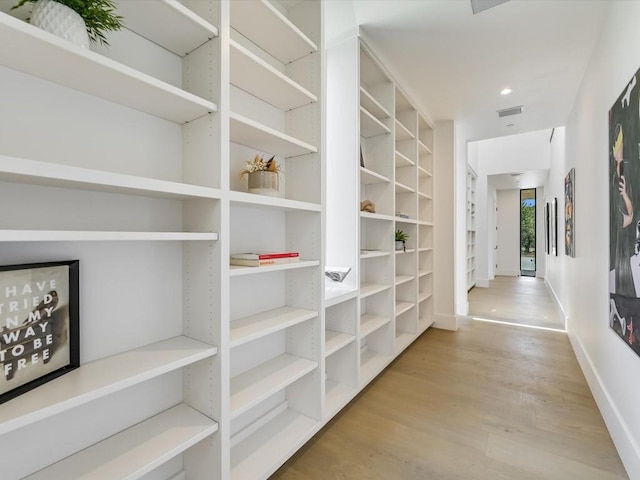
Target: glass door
x=528, y=232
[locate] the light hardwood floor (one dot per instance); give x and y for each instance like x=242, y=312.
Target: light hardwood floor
x=523, y=300
x=490, y=401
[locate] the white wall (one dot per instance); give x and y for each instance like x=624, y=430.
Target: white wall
x=445, y=261
x=459, y=239
x=611, y=368
x=340, y=22
x=508, y=232
x=557, y=265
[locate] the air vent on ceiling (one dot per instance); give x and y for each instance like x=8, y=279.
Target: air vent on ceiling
x=481, y=5
x=511, y=111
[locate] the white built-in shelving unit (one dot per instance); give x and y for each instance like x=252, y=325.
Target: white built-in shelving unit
x=384, y=146
x=275, y=313
x=116, y=155
x=129, y=158
x=471, y=228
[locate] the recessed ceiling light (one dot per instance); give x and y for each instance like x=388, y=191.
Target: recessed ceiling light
x=506, y=91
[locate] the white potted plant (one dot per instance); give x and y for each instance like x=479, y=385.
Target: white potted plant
x=401, y=240
x=263, y=176
x=79, y=21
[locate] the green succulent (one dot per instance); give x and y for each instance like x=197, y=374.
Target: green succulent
x=401, y=236
x=99, y=16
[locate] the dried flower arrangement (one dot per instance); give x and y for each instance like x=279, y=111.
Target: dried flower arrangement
x=258, y=164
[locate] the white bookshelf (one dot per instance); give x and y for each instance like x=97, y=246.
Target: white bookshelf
x=371, y=105
x=134, y=452
x=43, y=55
x=101, y=378
x=263, y=138
x=276, y=348
x=369, y=177
x=127, y=163
x=254, y=75
x=274, y=203
x=471, y=228
x=149, y=19
x=267, y=27
x=395, y=141
x=108, y=236
x=270, y=446
x=22, y=170
x=334, y=341
x=250, y=328
x=202, y=370
x=369, y=323
x=250, y=388
x=370, y=126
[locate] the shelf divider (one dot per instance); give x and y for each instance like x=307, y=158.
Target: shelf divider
x=101, y=377
x=250, y=328
x=252, y=74
x=265, y=26
x=253, y=386
x=134, y=452
x=149, y=19
x=95, y=236
x=47, y=174
x=44, y=55
x=265, y=139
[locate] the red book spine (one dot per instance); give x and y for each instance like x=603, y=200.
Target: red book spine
x=266, y=256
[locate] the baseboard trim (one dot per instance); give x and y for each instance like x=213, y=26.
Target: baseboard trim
x=558, y=302
x=618, y=429
x=484, y=283
x=445, y=322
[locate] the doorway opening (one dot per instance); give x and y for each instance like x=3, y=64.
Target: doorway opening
x=528, y=232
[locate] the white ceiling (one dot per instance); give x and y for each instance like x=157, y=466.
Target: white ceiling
x=528, y=179
x=454, y=64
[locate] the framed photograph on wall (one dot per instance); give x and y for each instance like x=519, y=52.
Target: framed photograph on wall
x=624, y=205
x=569, y=229
x=39, y=337
x=553, y=227
x=546, y=228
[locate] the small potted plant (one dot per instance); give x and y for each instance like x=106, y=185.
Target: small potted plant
x=79, y=21
x=263, y=176
x=401, y=240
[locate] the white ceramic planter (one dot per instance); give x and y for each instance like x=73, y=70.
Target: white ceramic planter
x=60, y=20
x=264, y=183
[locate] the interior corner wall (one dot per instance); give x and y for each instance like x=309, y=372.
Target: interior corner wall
x=444, y=261
x=558, y=265
x=609, y=365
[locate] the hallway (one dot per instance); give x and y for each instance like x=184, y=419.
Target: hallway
x=522, y=300
x=488, y=402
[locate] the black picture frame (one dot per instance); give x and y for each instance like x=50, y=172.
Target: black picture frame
x=554, y=230
x=39, y=324
x=546, y=229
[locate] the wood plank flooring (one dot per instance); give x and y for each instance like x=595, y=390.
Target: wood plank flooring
x=491, y=401
x=523, y=300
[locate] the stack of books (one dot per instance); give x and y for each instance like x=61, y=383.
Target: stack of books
x=263, y=259
x=401, y=215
